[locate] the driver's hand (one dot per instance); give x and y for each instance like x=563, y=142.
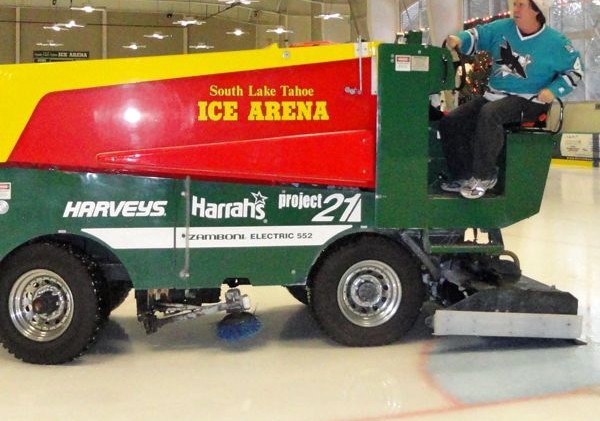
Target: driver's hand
x=546, y=96
x=453, y=42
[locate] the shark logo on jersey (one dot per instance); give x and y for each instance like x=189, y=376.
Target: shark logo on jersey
x=512, y=63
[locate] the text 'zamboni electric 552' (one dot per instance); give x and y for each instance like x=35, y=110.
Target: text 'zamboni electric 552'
x=315, y=168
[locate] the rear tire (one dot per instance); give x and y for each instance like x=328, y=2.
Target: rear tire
x=49, y=305
x=367, y=293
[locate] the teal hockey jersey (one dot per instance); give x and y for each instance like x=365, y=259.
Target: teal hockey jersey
x=524, y=65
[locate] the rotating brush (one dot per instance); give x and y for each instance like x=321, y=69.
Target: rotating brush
x=238, y=326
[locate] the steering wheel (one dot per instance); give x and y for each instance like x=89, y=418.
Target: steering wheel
x=458, y=60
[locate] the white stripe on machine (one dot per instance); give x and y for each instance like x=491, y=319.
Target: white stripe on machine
x=216, y=237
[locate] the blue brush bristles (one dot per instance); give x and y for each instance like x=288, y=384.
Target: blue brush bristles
x=238, y=326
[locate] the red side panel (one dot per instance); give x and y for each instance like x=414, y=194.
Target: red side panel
x=300, y=159
x=298, y=124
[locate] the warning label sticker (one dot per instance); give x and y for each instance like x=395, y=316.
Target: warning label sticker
x=5, y=190
x=403, y=63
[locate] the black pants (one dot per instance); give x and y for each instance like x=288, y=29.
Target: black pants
x=473, y=134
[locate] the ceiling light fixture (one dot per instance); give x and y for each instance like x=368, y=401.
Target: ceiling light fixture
x=49, y=43
x=64, y=26
x=280, y=30
x=239, y=1
x=237, y=32
x=71, y=24
x=201, y=46
x=134, y=46
x=86, y=8
x=327, y=16
x=157, y=35
x=187, y=21
x=56, y=27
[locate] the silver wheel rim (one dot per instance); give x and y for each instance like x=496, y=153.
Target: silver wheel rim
x=369, y=293
x=41, y=305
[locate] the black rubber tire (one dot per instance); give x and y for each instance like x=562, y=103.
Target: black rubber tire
x=81, y=278
x=299, y=292
x=324, y=292
x=114, y=295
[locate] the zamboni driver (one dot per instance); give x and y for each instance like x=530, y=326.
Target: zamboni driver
x=532, y=65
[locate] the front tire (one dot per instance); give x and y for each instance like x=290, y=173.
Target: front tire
x=367, y=293
x=300, y=293
x=114, y=294
x=49, y=305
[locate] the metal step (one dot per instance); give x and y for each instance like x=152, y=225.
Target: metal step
x=468, y=247
x=452, y=242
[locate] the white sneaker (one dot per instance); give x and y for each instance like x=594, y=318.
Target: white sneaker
x=476, y=188
x=453, y=186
